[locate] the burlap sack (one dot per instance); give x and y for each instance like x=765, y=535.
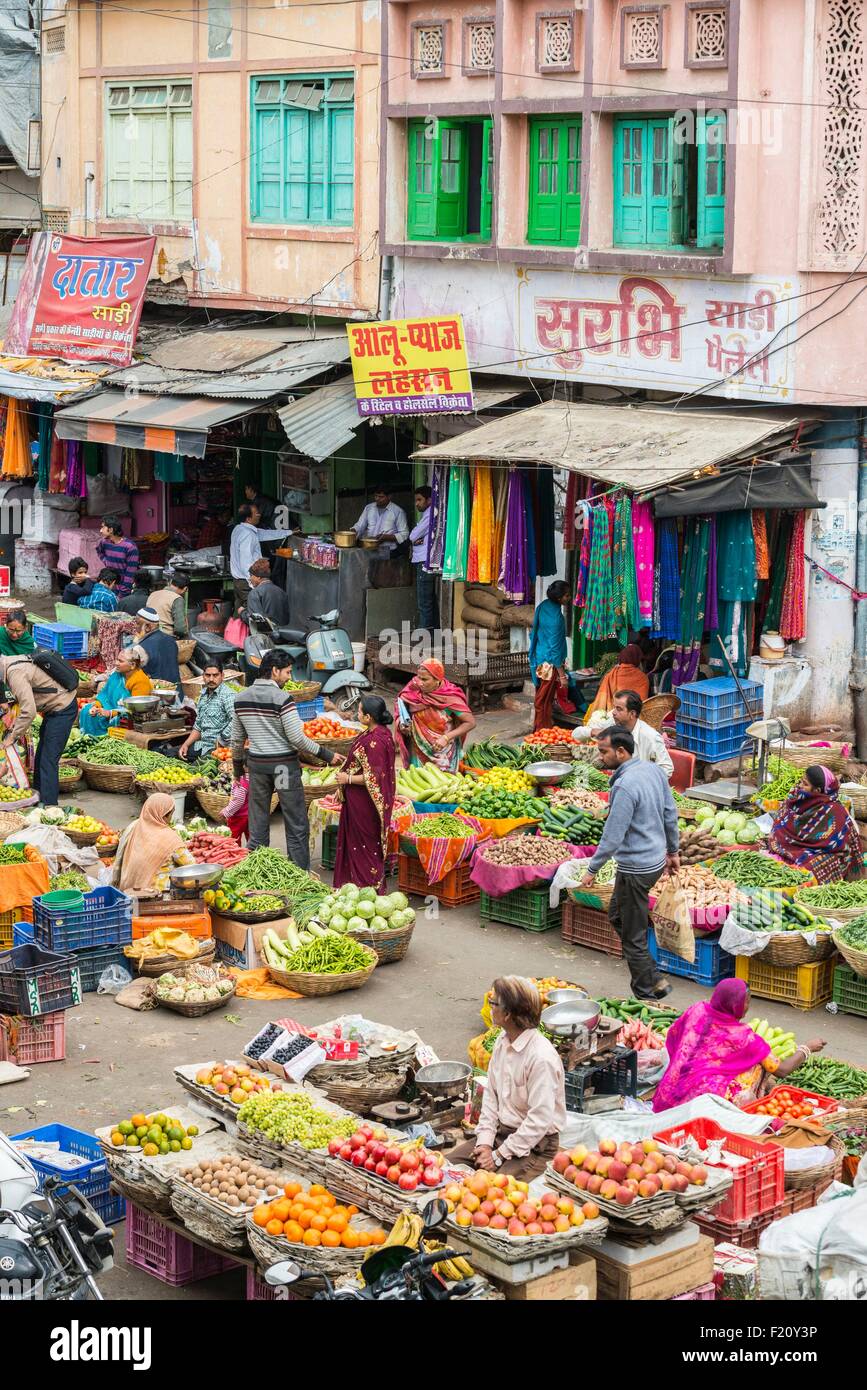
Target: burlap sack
x=518, y=615
x=481, y=617
x=482, y=596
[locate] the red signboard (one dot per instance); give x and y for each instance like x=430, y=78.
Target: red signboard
x=80, y=298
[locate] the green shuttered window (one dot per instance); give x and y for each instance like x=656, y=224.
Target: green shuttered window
x=554, y=212
x=149, y=151
x=302, y=158
x=669, y=190
x=449, y=180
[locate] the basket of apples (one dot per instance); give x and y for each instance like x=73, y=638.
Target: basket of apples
x=631, y=1181
x=493, y=1208
x=405, y=1166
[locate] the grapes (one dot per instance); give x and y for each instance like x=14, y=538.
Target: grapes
x=291, y=1117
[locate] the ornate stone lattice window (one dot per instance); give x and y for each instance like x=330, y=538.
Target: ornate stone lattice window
x=428, y=50
x=54, y=40
x=641, y=36
x=479, y=45
x=706, y=35
x=555, y=41
x=839, y=158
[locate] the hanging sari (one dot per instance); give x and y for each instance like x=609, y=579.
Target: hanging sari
x=570, y=532
x=436, y=536
x=481, y=559
x=778, y=573
x=693, y=596
x=642, y=544
x=666, y=584
x=546, y=554
x=457, y=524
x=598, y=620
x=17, y=460
x=626, y=611
x=710, y=1050
x=584, y=554
x=530, y=524
x=431, y=714
x=813, y=831
x=513, y=572
x=362, y=831
x=737, y=585
x=501, y=497
x=793, y=614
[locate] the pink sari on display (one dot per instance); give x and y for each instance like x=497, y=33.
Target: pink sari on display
x=710, y=1049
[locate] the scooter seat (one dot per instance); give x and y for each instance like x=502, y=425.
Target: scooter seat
x=290, y=634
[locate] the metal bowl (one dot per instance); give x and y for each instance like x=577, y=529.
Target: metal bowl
x=142, y=704
x=565, y=996
x=370, y=543
x=195, y=875
x=444, y=1078
x=564, y=1019
x=549, y=774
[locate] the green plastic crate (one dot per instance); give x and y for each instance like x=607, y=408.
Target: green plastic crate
x=525, y=907
x=329, y=847
x=850, y=991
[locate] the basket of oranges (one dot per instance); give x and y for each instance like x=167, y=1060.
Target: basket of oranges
x=311, y=1225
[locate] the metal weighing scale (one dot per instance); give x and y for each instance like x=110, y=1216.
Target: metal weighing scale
x=443, y=1087
x=147, y=716
x=185, y=894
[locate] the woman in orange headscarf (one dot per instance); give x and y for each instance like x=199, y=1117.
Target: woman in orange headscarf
x=149, y=848
x=433, y=718
x=626, y=675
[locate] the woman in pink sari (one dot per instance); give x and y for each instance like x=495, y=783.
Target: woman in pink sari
x=367, y=787
x=712, y=1051
x=433, y=718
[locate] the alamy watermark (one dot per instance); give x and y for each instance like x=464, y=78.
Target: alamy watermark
x=464, y=647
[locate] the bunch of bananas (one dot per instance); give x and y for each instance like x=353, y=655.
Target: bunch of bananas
x=408, y=1230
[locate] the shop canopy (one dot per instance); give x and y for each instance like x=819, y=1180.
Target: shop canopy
x=784, y=484
x=641, y=449
x=166, y=424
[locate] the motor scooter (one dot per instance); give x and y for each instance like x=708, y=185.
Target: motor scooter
x=324, y=655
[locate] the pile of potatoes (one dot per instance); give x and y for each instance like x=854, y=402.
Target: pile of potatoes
x=236, y=1182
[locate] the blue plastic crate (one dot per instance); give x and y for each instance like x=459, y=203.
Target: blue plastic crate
x=711, y=963
x=717, y=703
x=91, y=1176
x=105, y=920
x=710, y=745
x=310, y=709
x=91, y=964
x=61, y=637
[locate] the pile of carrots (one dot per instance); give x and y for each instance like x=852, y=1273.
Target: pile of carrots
x=313, y=1218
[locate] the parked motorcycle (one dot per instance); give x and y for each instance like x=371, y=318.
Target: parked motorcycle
x=393, y=1274
x=324, y=655
x=53, y=1244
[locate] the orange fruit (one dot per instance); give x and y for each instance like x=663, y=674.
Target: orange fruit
x=328, y=1200
x=318, y=1223
x=262, y=1214
x=351, y=1210
x=292, y=1231
x=312, y=1238
x=316, y=1189
x=274, y=1227
x=305, y=1219
x=331, y=1239
x=291, y=1189
x=340, y=1211
x=349, y=1239
x=337, y=1223
x=295, y=1211
x=281, y=1209
x=363, y=1238
x=377, y=1237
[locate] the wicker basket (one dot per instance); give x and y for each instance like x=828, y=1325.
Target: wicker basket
x=316, y=793
x=791, y=948
x=302, y=982
x=340, y=746
x=270, y=1250
x=160, y=965
x=192, y=688
x=10, y=823
x=108, y=779
x=211, y=802
x=839, y=915
x=361, y=1096
x=150, y=785
x=857, y=959
x=808, y=1177
x=82, y=837
x=207, y=1006
x=804, y=756
x=554, y=752
x=308, y=690
x=656, y=710
x=388, y=945
x=599, y=896
x=186, y=646
x=857, y=794
x=254, y=918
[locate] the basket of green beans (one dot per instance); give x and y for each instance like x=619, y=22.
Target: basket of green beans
x=851, y=942
x=328, y=965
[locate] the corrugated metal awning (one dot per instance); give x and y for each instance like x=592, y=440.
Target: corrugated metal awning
x=642, y=449
x=321, y=422
x=271, y=374
x=166, y=424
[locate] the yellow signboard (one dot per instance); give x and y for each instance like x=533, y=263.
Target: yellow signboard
x=411, y=366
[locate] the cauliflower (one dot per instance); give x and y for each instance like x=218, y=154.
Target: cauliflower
x=196, y=995
x=177, y=994
x=168, y=980
x=224, y=987
x=212, y=993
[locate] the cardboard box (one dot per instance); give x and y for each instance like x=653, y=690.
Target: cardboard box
x=657, y=1277
x=240, y=943
x=576, y=1283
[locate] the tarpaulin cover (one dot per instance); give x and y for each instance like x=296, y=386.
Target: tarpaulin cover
x=19, y=90
x=745, y=488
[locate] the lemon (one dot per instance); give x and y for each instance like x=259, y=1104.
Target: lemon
x=192, y=1130
x=175, y=1146
x=132, y=1141
x=117, y=1139
x=186, y=1143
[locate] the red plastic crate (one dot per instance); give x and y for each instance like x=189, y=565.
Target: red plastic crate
x=260, y=1292
x=746, y=1234
x=38, y=1039
x=587, y=926
x=173, y=1259
x=825, y=1104
x=757, y=1185
x=705, y=1293
x=455, y=890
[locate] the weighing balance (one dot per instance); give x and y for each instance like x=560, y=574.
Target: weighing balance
x=762, y=735
x=441, y=1105
x=575, y=1019
x=149, y=713
x=185, y=894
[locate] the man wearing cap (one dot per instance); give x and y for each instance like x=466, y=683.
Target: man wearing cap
x=266, y=597
x=162, y=650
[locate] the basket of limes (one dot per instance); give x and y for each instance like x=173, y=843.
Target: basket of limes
x=84, y=830
x=169, y=779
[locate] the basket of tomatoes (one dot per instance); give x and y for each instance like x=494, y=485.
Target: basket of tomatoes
x=554, y=742
x=331, y=734
x=310, y=1224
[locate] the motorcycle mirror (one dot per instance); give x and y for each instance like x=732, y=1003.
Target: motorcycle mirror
x=284, y=1272
x=434, y=1213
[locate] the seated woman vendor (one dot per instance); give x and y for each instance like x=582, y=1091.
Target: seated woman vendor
x=127, y=678
x=149, y=849
x=711, y=1051
x=813, y=831
x=15, y=640
x=524, y=1108
x=626, y=675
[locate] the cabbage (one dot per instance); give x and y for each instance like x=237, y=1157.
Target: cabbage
x=749, y=834
x=383, y=905
x=364, y=908
x=367, y=895
x=704, y=812
x=349, y=890
x=325, y=911
x=726, y=837
x=378, y=923
x=720, y=819
x=356, y=923
x=408, y=915
x=400, y=900
x=735, y=820
x=338, y=922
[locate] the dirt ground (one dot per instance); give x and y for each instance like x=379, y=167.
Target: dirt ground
x=118, y=1062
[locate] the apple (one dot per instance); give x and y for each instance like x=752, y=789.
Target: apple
x=534, y=1228
x=594, y=1184
x=381, y=1169
x=481, y=1218
x=565, y=1206
x=684, y=1169
x=603, y=1167
x=607, y=1146
x=562, y=1223
x=581, y=1179
x=571, y=1173
x=578, y=1155
x=653, y=1163
x=666, y=1182
x=502, y=1181
x=589, y=1164
x=488, y=1208
x=499, y=1222
x=526, y=1212
x=507, y=1209
x=470, y=1201
x=699, y=1176
x=625, y=1196
x=548, y=1212
x=577, y=1218
x=454, y=1192
x=632, y=1184
x=590, y=1211
x=516, y=1227
x=609, y=1189
x=548, y=1228
x=617, y=1170
x=669, y=1163
x=680, y=1182
x=408, y=1182
x=393, y=1173
x=462, y=1217
x=561, y=1161
x=649, y=1146
x=648, y=1187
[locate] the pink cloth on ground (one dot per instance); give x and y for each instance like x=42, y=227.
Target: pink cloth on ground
x=497, y=881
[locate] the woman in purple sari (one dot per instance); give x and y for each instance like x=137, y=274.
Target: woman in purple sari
x=711, y=1051
x=367, y=789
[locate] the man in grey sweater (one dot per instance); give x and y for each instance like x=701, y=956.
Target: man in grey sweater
x=641, y=834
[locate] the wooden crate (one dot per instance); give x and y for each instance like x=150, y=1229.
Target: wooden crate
x=575, y=1283
x=657, y=1277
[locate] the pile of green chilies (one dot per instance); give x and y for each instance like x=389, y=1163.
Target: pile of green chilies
x=828, y=1077
x=442, y=825
x=329, y=955
x=11, y=854
x=830, y=895
x=749, y=869
x=115, y=752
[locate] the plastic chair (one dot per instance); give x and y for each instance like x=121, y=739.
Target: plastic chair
x=683, y=776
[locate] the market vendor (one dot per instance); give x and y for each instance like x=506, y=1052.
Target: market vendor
x=813, y=831
x=626, y=674
x=102, y=597
x=245, y=548
x=118, y=551
x=383, y=520
x=149, y=849
x=15, y=639
x=649, y=744
x=170, y=603
x=265, y=506
x=162, y=650
x=524, y=1105
x=138, y=597
x=433, y=718
x=267, y=598
x=711, y=1051
x=34, y=692
x=214, y=714
x=79, y=585
x=127, y=678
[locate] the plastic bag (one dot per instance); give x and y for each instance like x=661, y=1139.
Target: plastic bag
x=113, y=979
x=56, y=847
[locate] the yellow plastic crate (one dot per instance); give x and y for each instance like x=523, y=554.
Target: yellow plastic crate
x=802, y=986
x=7, y=922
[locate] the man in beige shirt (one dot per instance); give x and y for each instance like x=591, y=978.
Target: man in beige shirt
x=524, y=1108
x=35, y=692
x=170, y=605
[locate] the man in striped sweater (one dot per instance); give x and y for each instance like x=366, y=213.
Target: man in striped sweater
x=266, y=718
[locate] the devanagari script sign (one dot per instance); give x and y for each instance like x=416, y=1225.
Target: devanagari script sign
x=411, y=366
x=80, y=298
